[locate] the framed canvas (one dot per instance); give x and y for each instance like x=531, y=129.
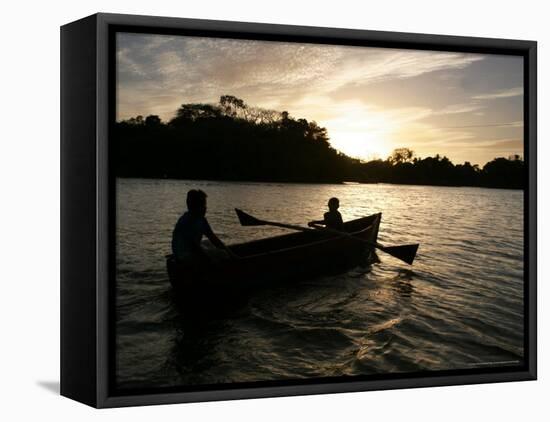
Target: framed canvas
x=253, y=210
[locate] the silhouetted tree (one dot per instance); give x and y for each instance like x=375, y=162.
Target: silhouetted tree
x=233, y=106
x=233, y=141
x=401, y=155
x=504, y=172
x=152, y=121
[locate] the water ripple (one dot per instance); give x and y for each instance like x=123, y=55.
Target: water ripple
x=459, y=306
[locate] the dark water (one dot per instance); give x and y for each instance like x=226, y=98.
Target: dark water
x=459, y=306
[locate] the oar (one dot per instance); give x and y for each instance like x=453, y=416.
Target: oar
x=405, y=253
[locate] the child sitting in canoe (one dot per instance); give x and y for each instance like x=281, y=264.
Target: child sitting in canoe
x=333, y=218
x=189, y=230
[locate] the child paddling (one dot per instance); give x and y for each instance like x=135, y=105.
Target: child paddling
x=332, y=218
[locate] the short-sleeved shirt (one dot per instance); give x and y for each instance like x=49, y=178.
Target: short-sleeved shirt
x=333, y=220
x=187, y=235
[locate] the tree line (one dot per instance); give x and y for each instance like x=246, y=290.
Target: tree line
x=404, y=168
x=234, y=141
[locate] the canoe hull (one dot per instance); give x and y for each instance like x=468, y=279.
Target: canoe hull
x=281, y=259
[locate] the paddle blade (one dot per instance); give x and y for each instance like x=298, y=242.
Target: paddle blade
x=405, y=253
x=247, y=220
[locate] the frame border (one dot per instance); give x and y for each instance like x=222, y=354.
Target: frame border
x=105, y=396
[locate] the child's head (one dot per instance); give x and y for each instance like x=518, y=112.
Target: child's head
x=333, y=204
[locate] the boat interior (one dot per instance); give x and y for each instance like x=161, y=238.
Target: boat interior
x=297, y=239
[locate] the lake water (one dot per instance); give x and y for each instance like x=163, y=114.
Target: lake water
x=459, y=306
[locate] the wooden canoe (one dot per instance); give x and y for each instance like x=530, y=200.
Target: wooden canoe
x=285, y=258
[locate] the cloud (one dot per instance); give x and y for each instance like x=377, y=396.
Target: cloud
x=507, y=93
x=459, y=108
x=269, y=74
x=370, y=98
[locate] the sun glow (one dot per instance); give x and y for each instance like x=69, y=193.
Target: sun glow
x=361, y=133
x=360, y=145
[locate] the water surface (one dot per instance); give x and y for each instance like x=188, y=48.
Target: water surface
x=459, y=306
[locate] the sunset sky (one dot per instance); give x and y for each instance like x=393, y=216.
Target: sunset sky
x=468, y=107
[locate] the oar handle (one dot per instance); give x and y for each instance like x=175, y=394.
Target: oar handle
x=319, y=228
x=285, y=226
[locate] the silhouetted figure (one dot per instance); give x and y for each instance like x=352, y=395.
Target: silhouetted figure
x=333, y=218
x=190, y=228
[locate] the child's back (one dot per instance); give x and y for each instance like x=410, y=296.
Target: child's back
x=333, y=220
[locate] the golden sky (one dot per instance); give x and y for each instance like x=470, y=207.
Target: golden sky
x=468, y=107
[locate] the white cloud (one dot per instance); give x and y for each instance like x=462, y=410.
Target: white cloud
x=459, y=108
x=157, y=73
x=268, y=74
x=506, y=93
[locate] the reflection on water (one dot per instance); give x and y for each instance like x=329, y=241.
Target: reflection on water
x=459, y=306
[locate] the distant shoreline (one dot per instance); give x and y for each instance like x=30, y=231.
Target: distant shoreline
x=298, y=182
x=232, y=141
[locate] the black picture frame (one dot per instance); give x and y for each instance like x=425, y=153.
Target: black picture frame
x=87, y=200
